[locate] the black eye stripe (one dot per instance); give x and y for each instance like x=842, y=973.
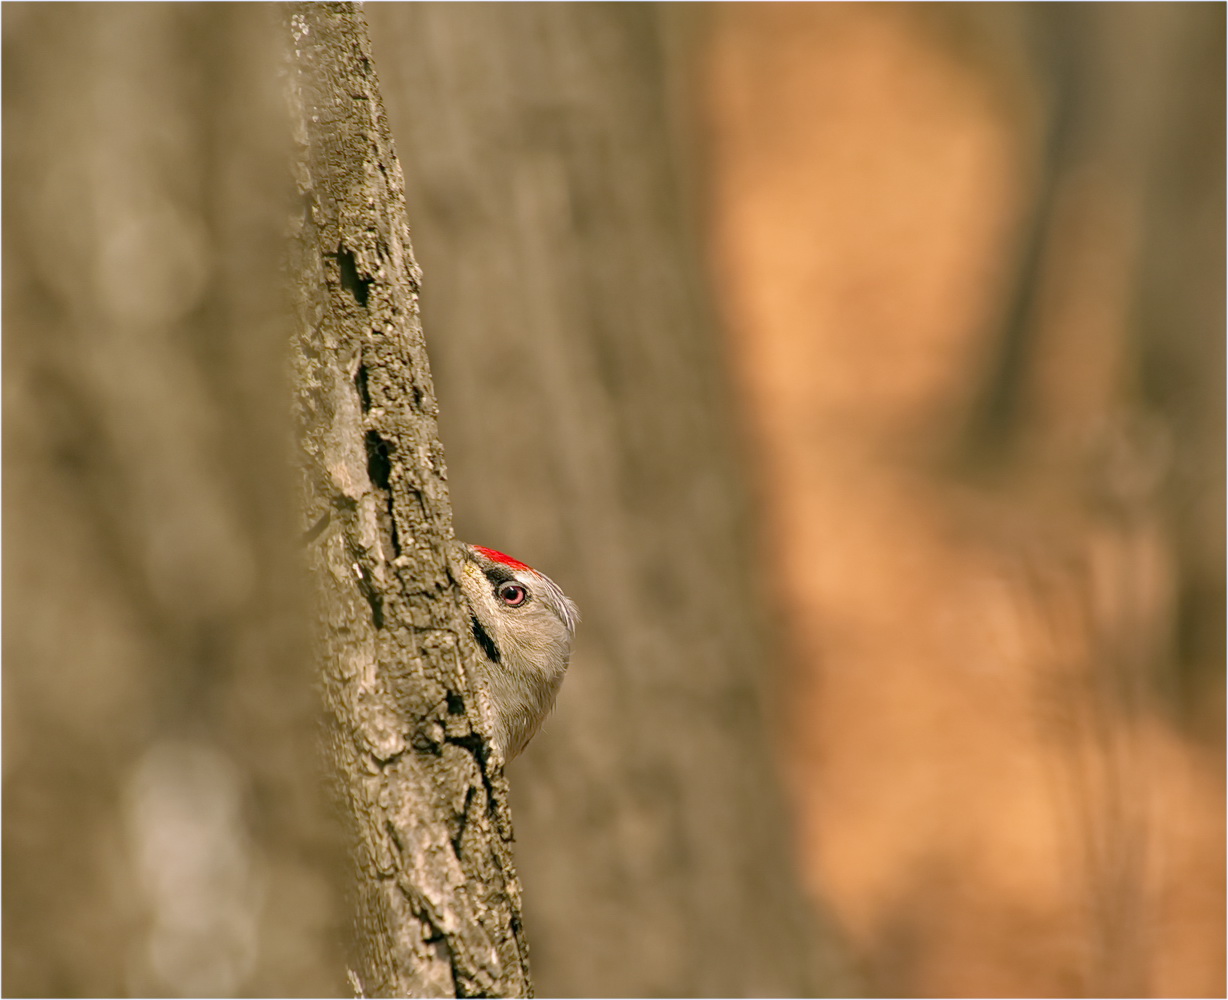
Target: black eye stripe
x=498, y=575
x=485, y=641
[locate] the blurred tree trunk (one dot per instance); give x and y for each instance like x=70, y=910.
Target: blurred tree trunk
x=587, y=419
x=1178, y=322
x=437, y=897
x=164, y=827
x=1134, y=109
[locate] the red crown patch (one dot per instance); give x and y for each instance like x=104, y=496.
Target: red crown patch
x=500, y=557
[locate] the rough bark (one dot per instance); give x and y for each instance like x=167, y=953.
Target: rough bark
x=587, y=420
x=437, y=897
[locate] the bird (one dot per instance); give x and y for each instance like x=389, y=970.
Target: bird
x=524, y=626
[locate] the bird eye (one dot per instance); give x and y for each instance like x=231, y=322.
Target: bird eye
x=512, y=594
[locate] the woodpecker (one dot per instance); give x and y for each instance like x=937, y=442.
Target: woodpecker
x=524, y=624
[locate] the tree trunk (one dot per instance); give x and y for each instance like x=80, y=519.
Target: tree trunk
x=165, y=831
x=588, y=424
x=437, y=897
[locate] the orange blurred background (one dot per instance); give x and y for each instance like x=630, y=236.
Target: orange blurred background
x=1008, y=762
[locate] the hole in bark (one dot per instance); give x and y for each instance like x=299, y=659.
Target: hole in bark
x=462, y=821
x=379, y=462
x=393, y=536
x=351, y=281
x=377, y=605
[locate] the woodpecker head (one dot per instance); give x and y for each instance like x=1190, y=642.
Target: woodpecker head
x=524, y=625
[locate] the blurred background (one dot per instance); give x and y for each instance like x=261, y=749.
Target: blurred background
x=971, y=262
x=858, y=369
